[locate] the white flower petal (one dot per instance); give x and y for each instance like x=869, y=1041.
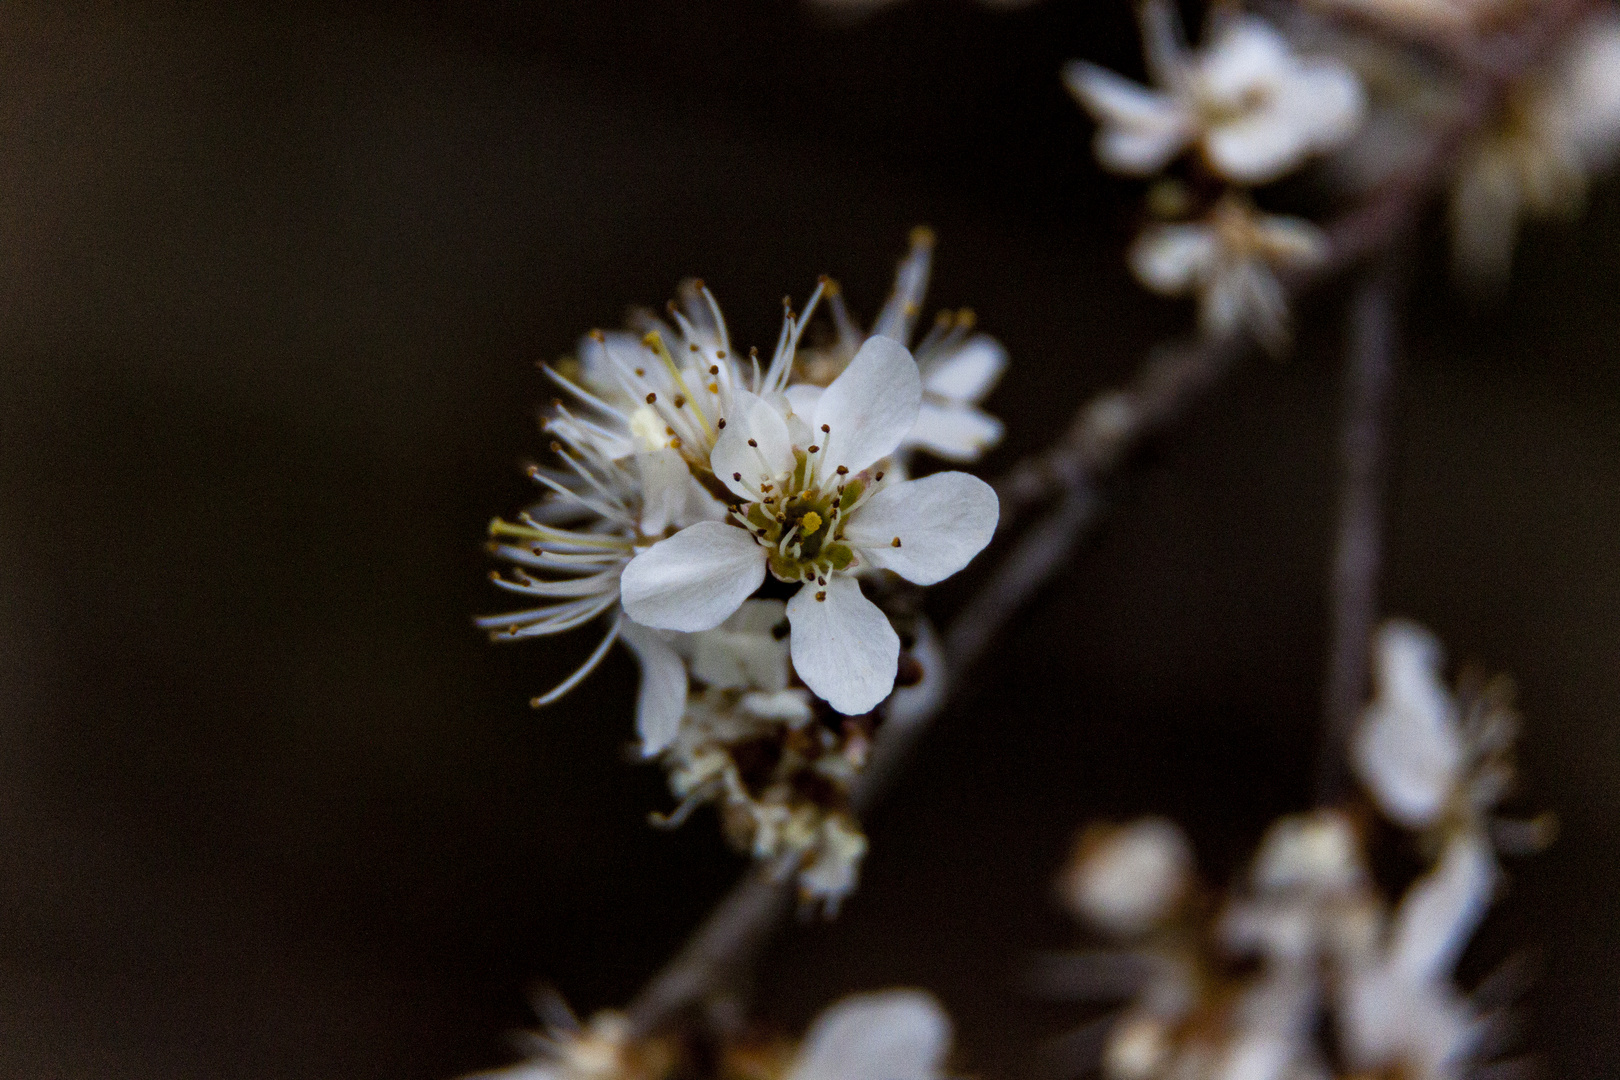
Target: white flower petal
x=693, y=580
x=843, y=646
x=1257, y=148
x=954, y=432
x=968, y=372
x=1291, y=241
x=743, y=652
x=1441, y=910
x=1327, y=102
x=1408, y=748
x=890, y=1035
x=1169, y=259
x=661, y=701
x=940, y=521
x=665, y=490
x=871, y=406
x=1141, y=129
x=1248, y=54
x=752, y=418
x=802, y=397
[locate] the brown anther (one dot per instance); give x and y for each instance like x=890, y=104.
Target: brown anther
x=641, y=371
x=556, y=447
x=736, y=476
x=821, y=581
x=821, y=595
x=825, y=429
x=842, y=470
x=895, y=542
x=879, y=476
x=680, y=399
x=815, y=449
x=651, y=397
x=714, y=369
x=714, y=388
x=669, y=431
x=674, y=442
x=597, y=335
x=720, y=423
x=754, y=444
x=721, y=353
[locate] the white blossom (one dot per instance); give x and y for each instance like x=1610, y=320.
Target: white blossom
x=1231, y=261
x=1427, y=762
x=959, y=367
x=1447, y=16
x=809, y=510
x=1253, y=108
x=884, y=1035
x=634, y=438
x=1397, y=1008
x=1561, y=126
x=1129, y=879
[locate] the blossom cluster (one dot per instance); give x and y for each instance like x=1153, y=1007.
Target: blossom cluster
x=893, y=1034
x=729, y=520
x=1363, y=84
x=1238, y=990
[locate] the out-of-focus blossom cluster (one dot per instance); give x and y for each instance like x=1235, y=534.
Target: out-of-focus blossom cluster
x=1238, y=989
x=893, y=1034
x=1245, y=109
x=1369, y=85
x=690, y=479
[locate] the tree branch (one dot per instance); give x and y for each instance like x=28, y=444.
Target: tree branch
x=1372, y=345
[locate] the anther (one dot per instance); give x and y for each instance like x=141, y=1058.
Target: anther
x=674, y=442
x=842, y=470
x=821, y=596
x=680, y=399
x=714, y=388
x=754, y=444
x=720, y=423
x=895, y=542
x=825, y=429
x=693, y=347
x=721, y=353
x=879, y=476
x=640, y=371
x=556, y=447
x=714, y=369
x=651, y=398
x=597, y=335
x=815, y=449
x=737, y=476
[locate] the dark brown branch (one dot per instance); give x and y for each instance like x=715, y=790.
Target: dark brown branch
x=1370, y=357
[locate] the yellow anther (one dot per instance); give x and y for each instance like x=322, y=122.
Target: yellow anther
x=810, y=523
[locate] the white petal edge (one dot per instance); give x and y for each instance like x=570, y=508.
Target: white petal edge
x=843, y=646
x=887, y=1035
x=693, y=580
x=941, y=521
x=968, y=372
x=661, y=700
x=959, y=433
x=870, y=407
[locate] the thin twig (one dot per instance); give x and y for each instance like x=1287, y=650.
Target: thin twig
x=1101, y=436
x=1370, y=358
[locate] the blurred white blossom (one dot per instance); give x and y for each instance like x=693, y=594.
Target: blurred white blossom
x=1126, y=880
x=1254, y=109
x=1231, y=260
x=1560, y=127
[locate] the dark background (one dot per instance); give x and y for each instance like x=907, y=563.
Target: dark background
x=272, y=283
